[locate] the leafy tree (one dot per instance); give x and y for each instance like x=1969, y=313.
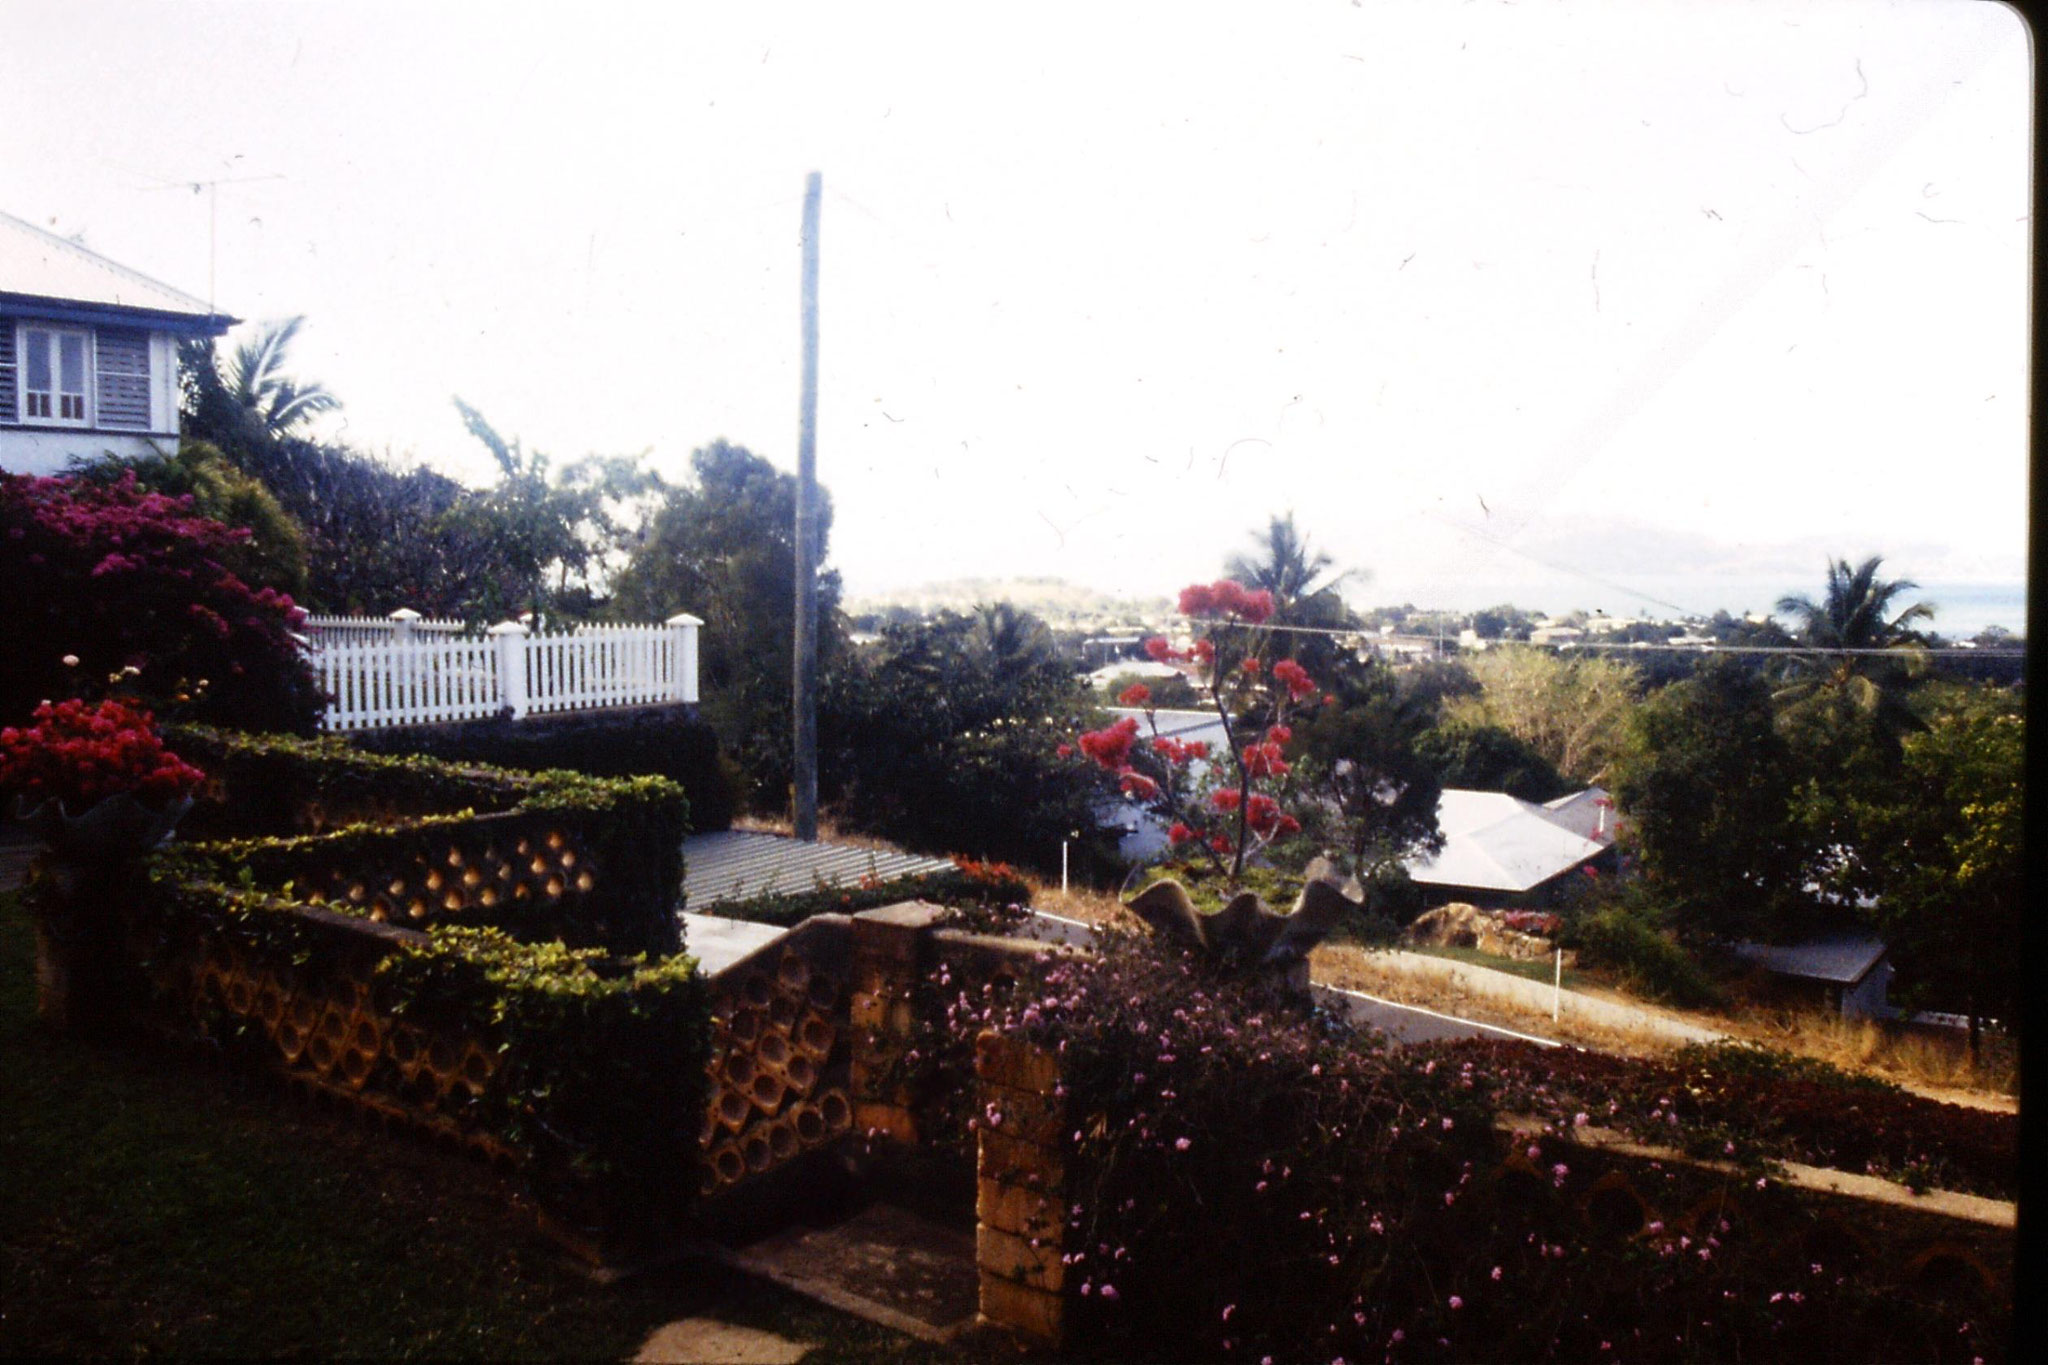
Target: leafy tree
x=112, y=586
x=1487, y=758
x=1504, y=622
x=1572, y=710
x=1946, y=847
x=1704, y=781
x=1362, y=754
x=723, y=548
x=944, y=738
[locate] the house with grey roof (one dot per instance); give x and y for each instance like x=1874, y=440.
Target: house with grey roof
x=88, y=353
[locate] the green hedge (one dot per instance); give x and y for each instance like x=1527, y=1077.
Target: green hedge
x=626, y=833
x=641, y=742
x=599, y=1086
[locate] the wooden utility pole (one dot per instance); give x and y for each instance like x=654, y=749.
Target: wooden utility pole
x=806, y=651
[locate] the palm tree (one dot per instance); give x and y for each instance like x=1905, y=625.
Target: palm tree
x=1285, y=566
x=254, y=381
x=1852, y=622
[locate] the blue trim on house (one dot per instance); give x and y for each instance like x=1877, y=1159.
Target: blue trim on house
x=108, y=315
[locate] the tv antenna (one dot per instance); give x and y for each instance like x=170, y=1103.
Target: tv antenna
x=212, y=189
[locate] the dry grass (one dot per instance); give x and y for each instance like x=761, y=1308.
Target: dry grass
x=1931, y=1061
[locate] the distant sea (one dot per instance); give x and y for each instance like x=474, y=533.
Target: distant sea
x=1961, y=609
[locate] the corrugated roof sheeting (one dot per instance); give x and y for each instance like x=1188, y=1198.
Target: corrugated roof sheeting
x=738, y=864
x=43, y=265
x=1842, y=959
x=1494, y=842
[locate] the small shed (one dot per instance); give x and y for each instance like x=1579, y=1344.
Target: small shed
x=1848, y=971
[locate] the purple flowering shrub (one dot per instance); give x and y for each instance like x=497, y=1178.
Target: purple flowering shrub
x=1740, y=1103
x=111, y=586
x=1251, y=1179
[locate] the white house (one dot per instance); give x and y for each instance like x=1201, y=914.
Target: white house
x=88, y=353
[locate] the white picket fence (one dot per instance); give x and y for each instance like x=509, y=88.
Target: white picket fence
x=385, y=673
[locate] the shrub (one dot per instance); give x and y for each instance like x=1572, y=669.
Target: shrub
x=1622, y=935
x=659, y=742
x=107, y=582
x=1247, y=1177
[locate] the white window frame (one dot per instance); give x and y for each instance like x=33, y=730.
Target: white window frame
x=23, y=412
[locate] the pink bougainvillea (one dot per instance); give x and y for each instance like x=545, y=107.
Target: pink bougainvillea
x=134, y=586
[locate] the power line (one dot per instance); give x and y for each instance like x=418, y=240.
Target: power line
x=1715, y=647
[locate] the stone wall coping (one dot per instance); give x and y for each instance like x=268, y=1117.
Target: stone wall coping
x=1971, y=1208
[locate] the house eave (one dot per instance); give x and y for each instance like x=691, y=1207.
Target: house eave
x=48, y=309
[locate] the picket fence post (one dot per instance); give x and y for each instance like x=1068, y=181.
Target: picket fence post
x=683, y=686
x=511, y=638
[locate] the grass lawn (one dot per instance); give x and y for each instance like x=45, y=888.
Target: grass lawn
x=1545, y=972
x=151, y=1205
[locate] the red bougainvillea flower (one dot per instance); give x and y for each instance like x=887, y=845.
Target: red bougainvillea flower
x=1250, y=666
x=1329, y=698
x=1221, y=843
x=79, y=754
x=1204, y=652
x=1111, y=748
x=1196, y=748
x=1065, y=751
x=1137, y=694
x=1137, y=786
x=1263, y=760
x=1295, y=677
x=1279, y=734
x=1171, y=750
x=1181, y=834
x=1224, y=798
x=1262, y=813
x=1226, y=598
x=1160, y=651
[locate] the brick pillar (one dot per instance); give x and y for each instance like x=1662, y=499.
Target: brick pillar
x=1021, y=1188
x=888, y=953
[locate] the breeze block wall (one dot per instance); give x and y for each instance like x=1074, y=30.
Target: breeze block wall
x=506, y=982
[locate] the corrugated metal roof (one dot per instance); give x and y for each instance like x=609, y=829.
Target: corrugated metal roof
x=737, y=864
x=41, y=265
x=1843, y=959
x=1494, y=842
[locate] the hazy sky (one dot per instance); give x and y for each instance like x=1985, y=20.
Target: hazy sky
x=1682, y=296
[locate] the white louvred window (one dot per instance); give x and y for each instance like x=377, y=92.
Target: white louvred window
x=56, y=376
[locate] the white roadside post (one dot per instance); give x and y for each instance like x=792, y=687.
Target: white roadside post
x=511, y=638
x=1557, y=988
x=683, y=686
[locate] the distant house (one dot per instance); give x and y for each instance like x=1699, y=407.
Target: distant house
x=1849, y=971
x=1500, y=850
x=88, y=352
